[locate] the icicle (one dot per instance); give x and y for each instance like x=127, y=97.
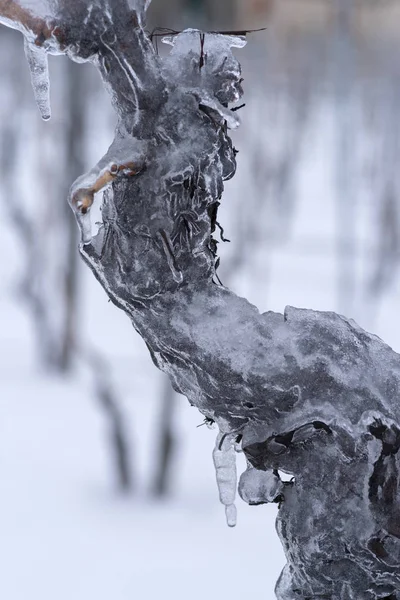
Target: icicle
x=225, y=467
x=39, y=68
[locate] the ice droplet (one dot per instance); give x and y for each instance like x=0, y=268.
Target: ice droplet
x=225, y=469
x=259, y=487
x=39, y=68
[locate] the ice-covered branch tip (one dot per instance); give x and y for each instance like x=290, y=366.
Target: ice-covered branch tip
x=108, y=33
x=34, y=21
x=121, y=160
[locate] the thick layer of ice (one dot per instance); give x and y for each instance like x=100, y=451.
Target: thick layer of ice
x=259, y=487
x=195, y=62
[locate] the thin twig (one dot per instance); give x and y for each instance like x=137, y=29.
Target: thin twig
x=164, y=31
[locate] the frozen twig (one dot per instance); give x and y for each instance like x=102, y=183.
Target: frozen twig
x=14, y=14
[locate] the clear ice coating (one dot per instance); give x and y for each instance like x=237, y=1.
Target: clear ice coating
x=209, y=55
x=39, y=67
x=259, y=487
x=140, y=5
x=224, y=457
x=124, y=157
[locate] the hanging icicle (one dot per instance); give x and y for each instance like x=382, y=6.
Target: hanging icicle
x=225, y=469
x=39, y=68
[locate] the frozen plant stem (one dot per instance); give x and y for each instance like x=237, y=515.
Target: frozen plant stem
x=307, y=393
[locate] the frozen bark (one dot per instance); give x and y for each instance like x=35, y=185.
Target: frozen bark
x=307, y=393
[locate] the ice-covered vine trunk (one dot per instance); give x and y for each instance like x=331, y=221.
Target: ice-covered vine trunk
x=307, y=393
